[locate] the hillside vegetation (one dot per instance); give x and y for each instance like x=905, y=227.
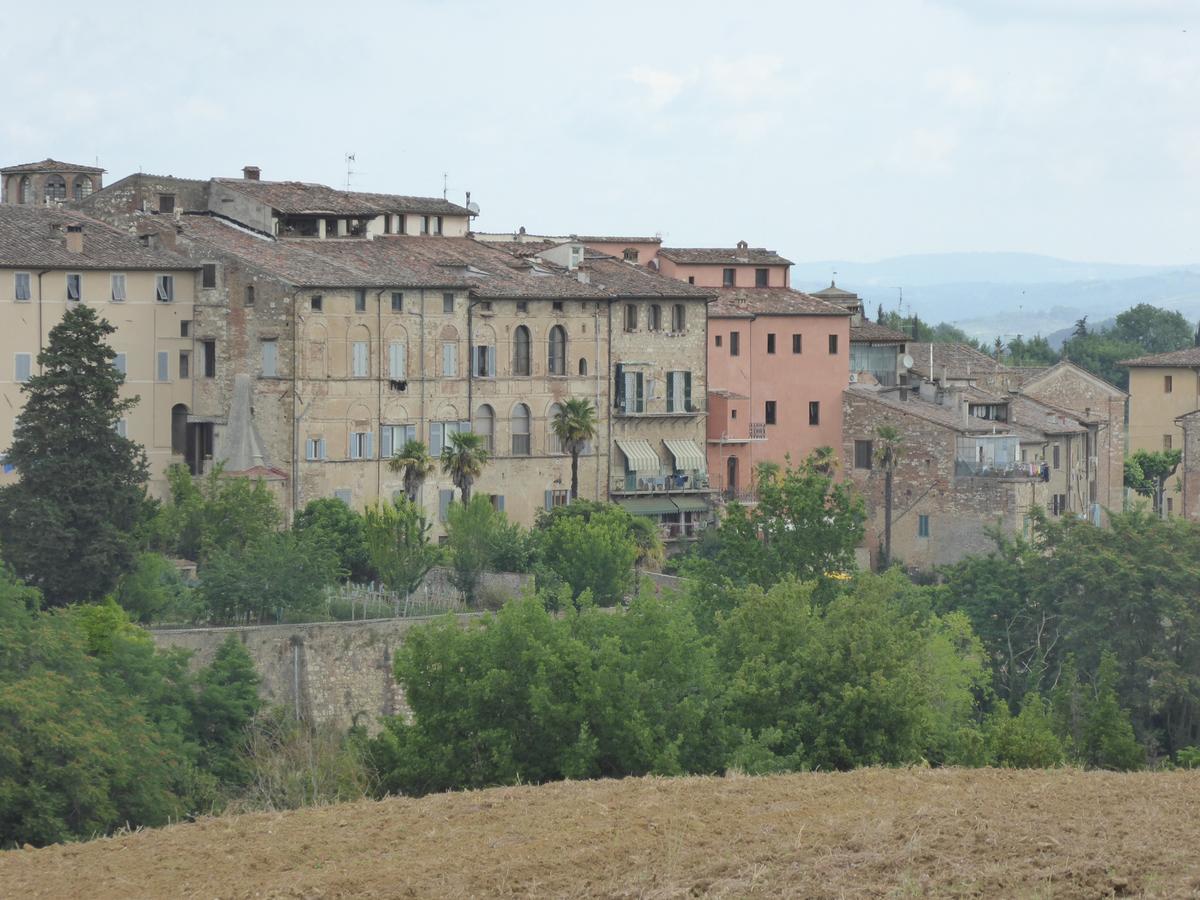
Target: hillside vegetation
x=872, y=832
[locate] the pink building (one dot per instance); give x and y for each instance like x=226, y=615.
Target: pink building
x=742, y=266
x=778, y=361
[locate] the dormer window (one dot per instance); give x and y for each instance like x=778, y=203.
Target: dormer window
x=728, y=277
x=630, y=254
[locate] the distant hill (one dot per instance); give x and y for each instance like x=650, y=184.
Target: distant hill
x=990, y=294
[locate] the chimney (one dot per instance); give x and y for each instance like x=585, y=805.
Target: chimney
x=75, y=238
x=251, y=173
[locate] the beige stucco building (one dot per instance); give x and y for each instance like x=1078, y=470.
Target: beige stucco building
x=52, y=259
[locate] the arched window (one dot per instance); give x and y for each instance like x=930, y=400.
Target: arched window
x=655, y=317
x=83, y=187
x=26, y=189
x=56, y=187
x=553, y=444
x=520, y=430
x=179, y=414
x=558, y=351
x=521, y=355
x=485, y=426
x=582, y=365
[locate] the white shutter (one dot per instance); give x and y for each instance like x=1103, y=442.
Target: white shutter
x=270, y=356
x=119, y=363
x=370, y=451
x=435, y=438
x=385, y=441
x=321, y=448
x=361, y=357
x=164, y=366
x=396, y=360
x=492, y=367
x=22, y=367
x=449, y=360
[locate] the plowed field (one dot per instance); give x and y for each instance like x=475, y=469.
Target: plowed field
x=872, y=833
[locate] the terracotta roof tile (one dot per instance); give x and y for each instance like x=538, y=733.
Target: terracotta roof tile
x=873, y=332
x=739, y=303
x=305, y=198
x=1189, y=356
x=28, y=241
x=51, y=165
x=724, y=256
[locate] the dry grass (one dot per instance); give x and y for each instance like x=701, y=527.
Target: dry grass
x=872, y=833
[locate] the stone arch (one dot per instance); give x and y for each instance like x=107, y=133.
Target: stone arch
x=522, y=356
x=25, y=192
x=448, y=333
x=179, y=414
x=556, y=351
x=484, y=425
x=521, y=422
x=448, y=412
x=358, y=413
x=583, y=368
x=395, y=351
x=55, y=187
x=395, y=412
x=82, y=187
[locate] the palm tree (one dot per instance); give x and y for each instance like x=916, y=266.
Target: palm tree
x=463, y=459
x=574, y=425
x=887, y=454
x=416, y=464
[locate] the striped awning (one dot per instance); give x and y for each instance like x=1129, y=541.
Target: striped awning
x=689, y=504
x=648, y=506
x=640, y=457
x=688, y=455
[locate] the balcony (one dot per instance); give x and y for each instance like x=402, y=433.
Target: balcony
x=755, y=434
x=629, y=412
x=966, y=468
x=634, y=484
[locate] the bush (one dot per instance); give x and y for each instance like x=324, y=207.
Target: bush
x=155, y=592
x=594, y=554
x=479, y=538
x=343, y=530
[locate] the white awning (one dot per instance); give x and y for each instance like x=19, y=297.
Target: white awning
x=640, y=457
x=689, y=456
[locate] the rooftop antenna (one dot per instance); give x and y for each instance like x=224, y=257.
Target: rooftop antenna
x=445, y=176
x=833, y=280
x=349, y=171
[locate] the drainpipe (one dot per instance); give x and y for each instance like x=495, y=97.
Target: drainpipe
x=379, y=393
x=471, y=367
x=422, y=366
x=608, y=409
x=596, y=389
x=296, y=414
x=40, y=344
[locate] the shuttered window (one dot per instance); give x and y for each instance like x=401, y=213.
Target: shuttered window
x=360, y=359
x=396, y=360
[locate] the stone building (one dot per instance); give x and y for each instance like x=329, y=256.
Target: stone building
x=52, y=259
x=48, y=182
x=877, y=353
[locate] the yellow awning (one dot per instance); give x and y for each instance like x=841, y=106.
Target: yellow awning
x=640, y=457
x=689, y=456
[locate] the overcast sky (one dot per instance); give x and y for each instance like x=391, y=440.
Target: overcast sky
x=853, y=130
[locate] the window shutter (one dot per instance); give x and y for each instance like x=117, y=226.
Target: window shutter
x=321, y=448
x=370, y=454
x=352, y=452
x=641, y=400
x=687, y=391
x=23, y=365
x=549, y=499
x=396, y=360
x=435, y=438
x=449, y=360
x=619, y=393
x=163, y=366
x=445, y=498
x=500, y=502
x=385, y=442
x=492, y=374
x=119, y=363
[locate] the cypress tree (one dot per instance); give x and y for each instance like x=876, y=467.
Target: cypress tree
x=67, y=526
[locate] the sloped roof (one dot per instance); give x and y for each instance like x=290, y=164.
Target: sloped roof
x=29, y=239
x=1189, y=356
x=945, y=416
x=51, y=165
x=873, y=332
x=957, y=359
x=724, y=256
x=306, y=198
x=621, y=279
x=740, y=303
x=1034, y=414
x=835, y=294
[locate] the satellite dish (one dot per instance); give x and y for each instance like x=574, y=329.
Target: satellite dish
x=473, y=208
x=908, y=361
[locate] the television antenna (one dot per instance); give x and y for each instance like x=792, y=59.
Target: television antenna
x=349, y=171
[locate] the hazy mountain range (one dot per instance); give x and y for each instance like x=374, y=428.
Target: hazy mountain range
x=990, y=294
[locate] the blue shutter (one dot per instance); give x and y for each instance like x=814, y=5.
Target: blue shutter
x=549, y=499
x=500, y=502
x=445, y=498
x=385, y=442
x=435, y=438
x=370, y=452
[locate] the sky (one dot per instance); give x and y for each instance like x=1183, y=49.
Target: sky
x=851, y=130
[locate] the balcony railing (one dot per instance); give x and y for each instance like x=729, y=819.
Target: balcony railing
x=634, y=483
x=692, y=409
x=682, y=531
x=966, y=468
x=757, y=431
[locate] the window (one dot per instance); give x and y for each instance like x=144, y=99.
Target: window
x=449, y=359
x=402, y=224
x=654, y=321
x=520, y=430
x=21, y=285
x=631, y=396
x=1168, y=384
x=120, y=363
x=316, y=302
x=923, y=526
x=166, y=203
x=522, y=306
x=1166, y=443
x=557, y=360
x=397, y=361
x=122, y=428
x=360, y=359
x=582, y=366
x=1057, y=458
x=630, y=254
x=163, y=366
x=553, y=441
x=770, y=343
x=397, y=301
x=769, y=412
x=439, y=432
x=185, y=327
x=270, y=357
x=797, y=343
x=679, y=318
x=387, y=223
x=679, y=392
x=208, y=275
x=833, y=343
x=210, y=359
x=735, y=343
x=760, y=277
x=360, y=300
x=814, y=412
x=26, y=190
x=557, y=306
x=362, y=445
x=165, y=290
x=691, y=279
x=437, y=224
x=185, y=364
x=82, y=188
x=631, y=317
x=728, y=277
x=74, y=287
x=424, y=224
x=344, y=494
x=448, y=304
x=392, y=439
x=22, y=367
x=557, y=497
x=717, y=341
x=1058, y=504
x=314, y=448
x=249, y=301
x=117, y=281
x=56, y=188
x=485, y=427
x=864, y=454
x=483, y=365
x=521, y=351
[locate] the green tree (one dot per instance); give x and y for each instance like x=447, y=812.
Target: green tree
x=1034, y=351
x=225, y=702
x=574, y=425
x=397, y=540
x=154, y=591
x=1024, y=741
x=213, y=512
x=1109, y=742
x=342, y=528
x=463, y=459
x=415, y=463
x=473, y=530
x=1146, y=473
x=643, y=531
x=1154, y=330
x=67, y=526
x=887, y=455
x=594, y=554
